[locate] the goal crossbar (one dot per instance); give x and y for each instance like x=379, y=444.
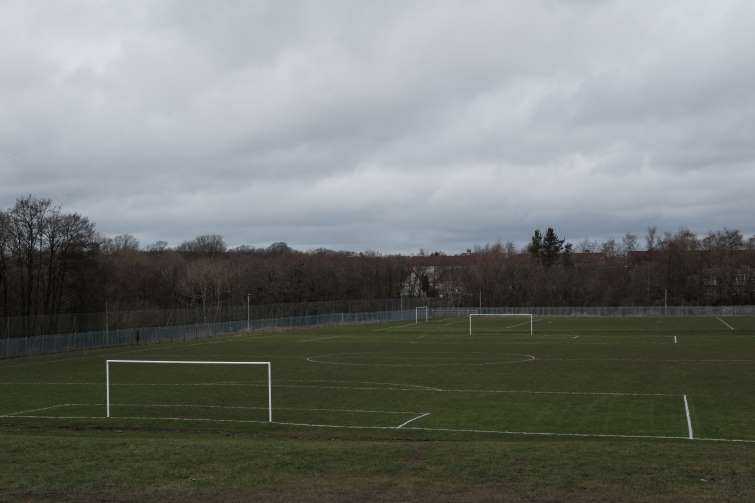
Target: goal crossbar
x=192, y=362
x=501, y=315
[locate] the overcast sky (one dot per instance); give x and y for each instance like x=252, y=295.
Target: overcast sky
x=381, y=125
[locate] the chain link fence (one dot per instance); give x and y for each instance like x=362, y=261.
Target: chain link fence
x=15, y=346
x=115, y=318
x=607, y=311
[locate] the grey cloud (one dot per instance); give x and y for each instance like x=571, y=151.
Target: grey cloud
x=388, y=126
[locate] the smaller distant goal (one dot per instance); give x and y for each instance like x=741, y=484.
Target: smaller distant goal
x=494, y=323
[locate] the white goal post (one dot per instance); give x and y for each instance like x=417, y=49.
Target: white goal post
x=416, y=313
x=181, y=362
x=507, y=315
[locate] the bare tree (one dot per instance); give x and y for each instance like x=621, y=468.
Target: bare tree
x=726, y=239
x=157, y=247
x=587, y=246
x=206, y=244
x=651, y=239
x=629, y=242
x=28, y=220
x=5, y=239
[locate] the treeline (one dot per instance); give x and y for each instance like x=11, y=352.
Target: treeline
x=55, y=262
x=679, y=268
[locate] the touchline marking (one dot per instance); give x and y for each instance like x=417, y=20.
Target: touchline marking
x=412, y=420
x=722, y=321
x=689, y=419
x=394, y=428
x=675, y=340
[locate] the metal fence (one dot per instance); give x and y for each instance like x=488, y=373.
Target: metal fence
x=114, y=318
x=11, y=347
x=607, y=311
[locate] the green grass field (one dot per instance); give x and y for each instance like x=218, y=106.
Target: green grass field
x=586, y=409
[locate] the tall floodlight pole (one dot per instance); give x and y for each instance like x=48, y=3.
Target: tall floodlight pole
x=248, y=311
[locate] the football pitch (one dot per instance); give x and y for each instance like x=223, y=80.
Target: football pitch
x=662, y=384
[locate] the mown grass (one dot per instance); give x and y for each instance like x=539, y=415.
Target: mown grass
x=575, y=376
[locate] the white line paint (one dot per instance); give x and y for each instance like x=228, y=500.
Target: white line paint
x=40, y=409
x=722, y=321
x=412, y=428
x=390, y=384
x=412, y=420
x=530, y=321
x=390, y=387
x=689, y=419
x=230, y=407
x=388, y=329
x=675, y=340
x=318, y=339
x=639, y=360
x=325, y=360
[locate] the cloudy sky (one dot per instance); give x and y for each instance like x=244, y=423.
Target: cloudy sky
x=381, y=125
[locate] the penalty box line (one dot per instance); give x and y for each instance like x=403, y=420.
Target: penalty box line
x=412, y=428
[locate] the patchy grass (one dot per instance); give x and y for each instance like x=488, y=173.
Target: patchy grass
x=575, y=376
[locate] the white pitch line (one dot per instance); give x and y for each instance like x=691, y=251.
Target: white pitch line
x=229, y=407
x=640, y=360
x=412, y=428
x=675, y=340
x=318, y=339
x=722, y=321
x=689, y=419
x=412, y=420
x=24, y=412
x=388, y=329
x=406, y=387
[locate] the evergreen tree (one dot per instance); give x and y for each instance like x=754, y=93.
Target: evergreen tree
x=551, y=247
x=536, y=244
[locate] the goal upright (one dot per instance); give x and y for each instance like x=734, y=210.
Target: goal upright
x=503, y=315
